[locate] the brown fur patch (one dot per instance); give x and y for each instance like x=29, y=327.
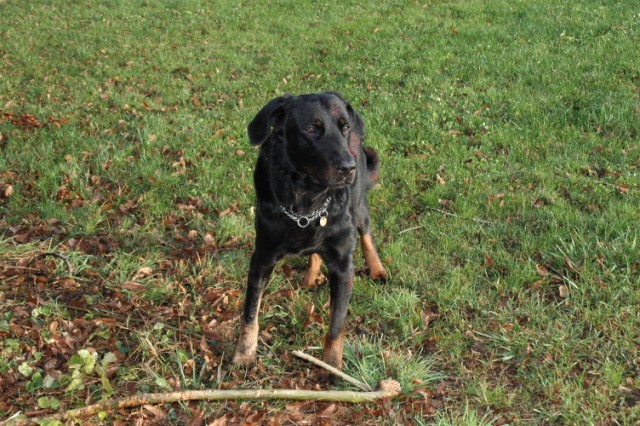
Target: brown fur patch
x=314, y=275
x=333, y=350
x=376, y=270
x=247, y=346
x=336, y=110
x=354, y=144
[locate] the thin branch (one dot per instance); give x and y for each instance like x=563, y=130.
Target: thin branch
x=386, y=389
x=413, y=228
x=433, y=209
x=482, y=221
x=364, y=386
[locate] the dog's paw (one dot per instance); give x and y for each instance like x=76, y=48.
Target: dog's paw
x=314, y=276
x=247, y=346
x=379, y=275
x=333, y=348
x=333, y=359
x=313, y=281
x=245, y=360
x=245, y=354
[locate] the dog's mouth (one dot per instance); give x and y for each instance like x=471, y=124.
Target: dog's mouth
x=346, y=178
x=336, y=180
x=331, y=178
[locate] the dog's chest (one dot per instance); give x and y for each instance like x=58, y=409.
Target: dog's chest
x=300, y=241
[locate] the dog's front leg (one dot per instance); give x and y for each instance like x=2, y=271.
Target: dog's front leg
x=259, y=272
x=341, y=287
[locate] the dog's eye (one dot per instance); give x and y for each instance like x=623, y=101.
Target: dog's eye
x=310, y=130
x=346, y=129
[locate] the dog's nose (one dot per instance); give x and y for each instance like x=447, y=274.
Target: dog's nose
x=347, y=170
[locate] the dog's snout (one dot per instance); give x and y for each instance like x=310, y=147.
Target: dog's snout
x=347, y=168
x=351, y=175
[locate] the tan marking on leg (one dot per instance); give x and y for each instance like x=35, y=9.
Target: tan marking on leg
x=247, y=346
x=333, y=350
x=376, y=270
x=314, y=275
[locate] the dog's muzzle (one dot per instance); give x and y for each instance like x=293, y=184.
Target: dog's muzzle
x=346, y=173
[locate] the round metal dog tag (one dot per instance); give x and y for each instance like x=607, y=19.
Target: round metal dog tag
x=323, y=221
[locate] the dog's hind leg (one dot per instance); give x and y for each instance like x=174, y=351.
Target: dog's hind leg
x=259, y=272
x=376, y=270
x=314, y=275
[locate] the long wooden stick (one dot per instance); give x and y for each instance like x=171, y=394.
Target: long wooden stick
x=364, y=386
x=386, y=389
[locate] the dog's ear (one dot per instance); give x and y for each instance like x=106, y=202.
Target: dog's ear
x=358, y=122
x=269, y=116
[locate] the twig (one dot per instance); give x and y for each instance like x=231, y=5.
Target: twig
x=386, y=389
x=364, y=386
x=52, y=254
x=413, y=228
x=482, y=221
x=433, y=209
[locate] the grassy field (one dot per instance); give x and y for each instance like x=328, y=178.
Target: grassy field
x=507, y=210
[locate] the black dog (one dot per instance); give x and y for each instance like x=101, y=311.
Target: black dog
x=311, y=180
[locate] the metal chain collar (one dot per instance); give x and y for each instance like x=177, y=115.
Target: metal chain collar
x=304, y=220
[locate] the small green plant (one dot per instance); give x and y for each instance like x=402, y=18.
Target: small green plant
x=372, y=360
x=467, y=417
x=84, y=366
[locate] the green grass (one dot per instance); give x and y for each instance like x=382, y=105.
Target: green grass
x=507, y=210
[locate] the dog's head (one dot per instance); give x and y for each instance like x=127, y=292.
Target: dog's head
x=321, y=134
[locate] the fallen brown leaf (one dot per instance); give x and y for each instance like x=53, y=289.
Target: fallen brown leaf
x=133, y=286
x=570, y=265
x=542, y=270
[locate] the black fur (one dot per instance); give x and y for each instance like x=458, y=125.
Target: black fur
x=311, y=149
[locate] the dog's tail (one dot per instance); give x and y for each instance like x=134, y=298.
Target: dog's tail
x=373, y=166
